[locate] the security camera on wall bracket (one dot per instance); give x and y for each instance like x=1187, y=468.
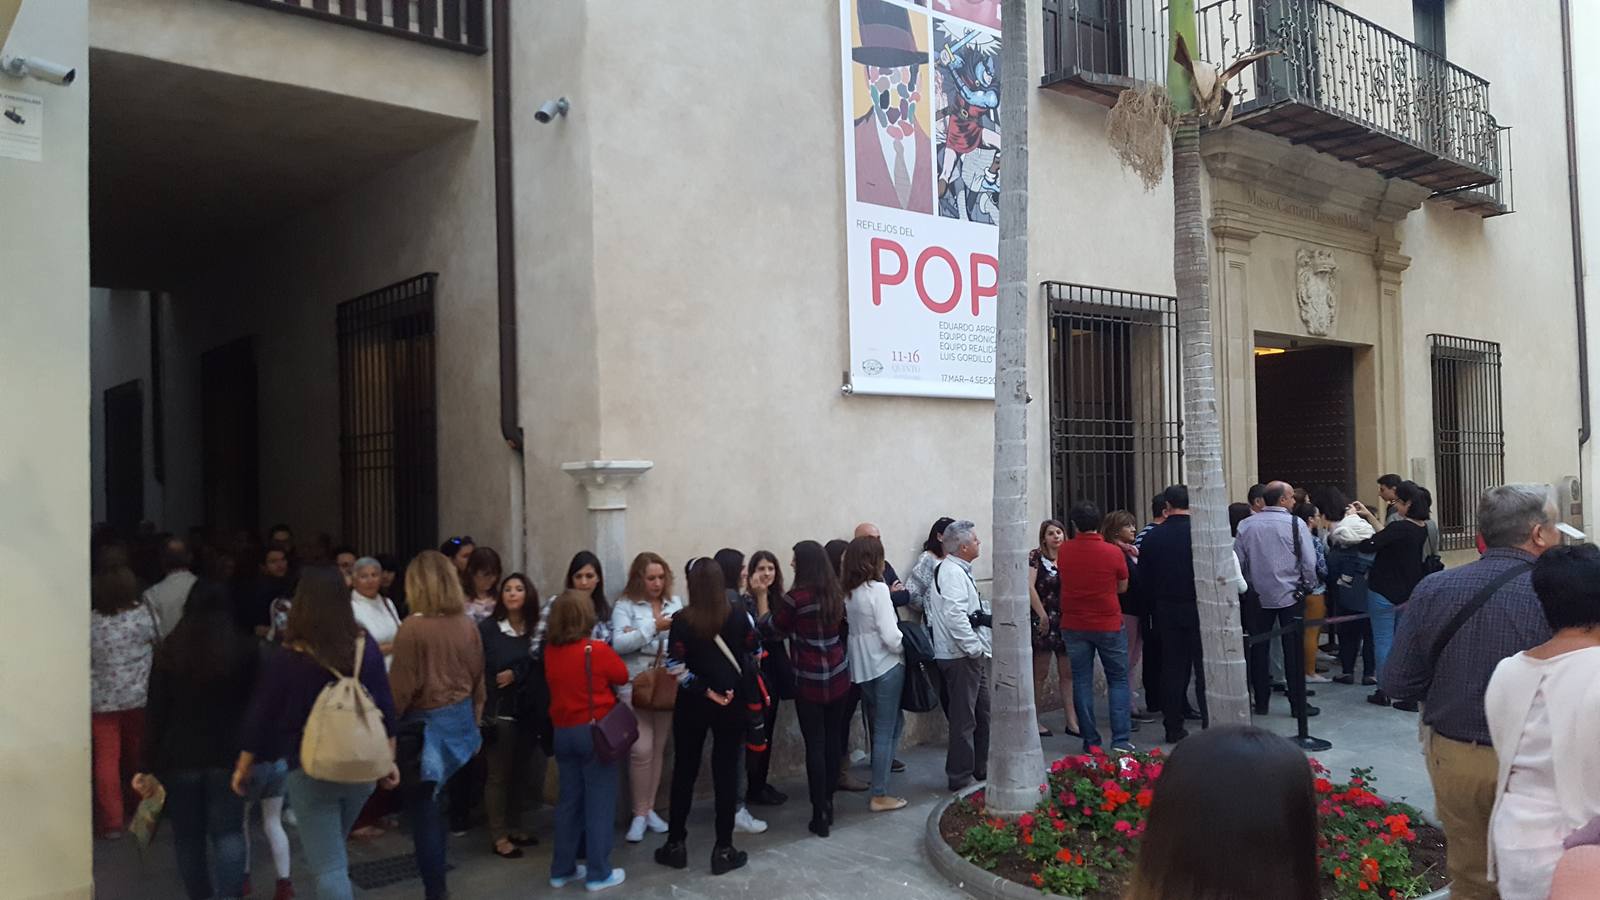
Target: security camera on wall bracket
x=38, y=69
x=551, y=109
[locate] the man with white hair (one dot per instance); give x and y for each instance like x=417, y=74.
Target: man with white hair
x=1459, y=625
x=960, y=620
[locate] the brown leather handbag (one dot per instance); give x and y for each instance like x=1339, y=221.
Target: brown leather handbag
x=655, y=688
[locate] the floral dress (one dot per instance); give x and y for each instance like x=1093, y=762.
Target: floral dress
x=1047, y=582
x=121, y=648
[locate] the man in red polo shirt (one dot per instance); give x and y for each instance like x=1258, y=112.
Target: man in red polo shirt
x=1093, y=573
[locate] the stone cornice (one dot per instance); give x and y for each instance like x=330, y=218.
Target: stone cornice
x=1313, y=185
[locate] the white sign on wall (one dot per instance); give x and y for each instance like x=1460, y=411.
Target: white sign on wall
x=21, y=126
x=921, y=87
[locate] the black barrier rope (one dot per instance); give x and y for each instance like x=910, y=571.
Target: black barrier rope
x=1294, y=664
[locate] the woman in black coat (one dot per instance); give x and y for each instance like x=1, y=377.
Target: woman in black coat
x=516, y=713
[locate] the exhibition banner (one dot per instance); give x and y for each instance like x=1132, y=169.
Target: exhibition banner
x=921, y=82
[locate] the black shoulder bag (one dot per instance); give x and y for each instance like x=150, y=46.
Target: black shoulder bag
x=1301, y=589
x=1471, y=609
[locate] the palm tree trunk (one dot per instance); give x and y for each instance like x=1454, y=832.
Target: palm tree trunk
x=1016, y=761
x=1222, y=641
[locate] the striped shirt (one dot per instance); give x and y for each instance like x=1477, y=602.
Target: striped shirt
x=817, y=649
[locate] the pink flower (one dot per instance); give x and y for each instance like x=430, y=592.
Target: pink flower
x=1123, y=826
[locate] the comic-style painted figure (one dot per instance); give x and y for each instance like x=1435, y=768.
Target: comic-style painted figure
x=971, y=122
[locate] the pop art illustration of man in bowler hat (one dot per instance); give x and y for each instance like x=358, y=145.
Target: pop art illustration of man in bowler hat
x=894, y=156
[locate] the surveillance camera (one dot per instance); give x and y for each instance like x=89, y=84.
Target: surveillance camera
x=551, y=109
x=41, y=69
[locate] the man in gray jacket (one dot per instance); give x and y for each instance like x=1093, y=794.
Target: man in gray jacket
x=959, y=621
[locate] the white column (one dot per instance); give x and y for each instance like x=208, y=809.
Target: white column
x=605, y=483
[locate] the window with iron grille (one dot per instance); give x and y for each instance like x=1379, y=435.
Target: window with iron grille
x=388, y=458
x=1469, y=445
x=1115, y=432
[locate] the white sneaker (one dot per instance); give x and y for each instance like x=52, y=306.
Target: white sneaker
x=617, y=877
x=636, y=830
x=743, y=821
x=655, y=823
x=563, y=881
x=1318, y=679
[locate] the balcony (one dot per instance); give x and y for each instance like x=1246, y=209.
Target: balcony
x=1343, y=85
x=1096, y=49
x=453, y=24
x=1349, y=88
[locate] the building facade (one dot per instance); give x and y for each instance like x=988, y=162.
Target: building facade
x=292, y=238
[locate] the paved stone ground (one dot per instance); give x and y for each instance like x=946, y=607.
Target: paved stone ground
x=868, y=855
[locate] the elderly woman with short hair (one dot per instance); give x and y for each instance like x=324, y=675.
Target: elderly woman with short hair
x=372, y=610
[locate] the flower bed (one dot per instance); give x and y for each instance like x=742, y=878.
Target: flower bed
x=1082, y=839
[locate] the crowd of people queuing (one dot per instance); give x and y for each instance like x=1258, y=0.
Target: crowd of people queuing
x=480, y=681
x=208, y=685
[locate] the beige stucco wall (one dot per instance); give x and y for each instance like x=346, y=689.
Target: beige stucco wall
x=1507, y=279
x=556, y=273
x=44, y=478
x=272, y=46
x=1586, y=102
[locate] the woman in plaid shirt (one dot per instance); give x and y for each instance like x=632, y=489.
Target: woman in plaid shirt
x=813, y=620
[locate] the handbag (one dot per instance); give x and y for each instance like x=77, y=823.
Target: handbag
x=655, y=688
x=920, y=692
x=613, y=735
x=755, y=725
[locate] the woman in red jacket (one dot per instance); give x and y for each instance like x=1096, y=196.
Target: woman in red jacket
x=582, y=674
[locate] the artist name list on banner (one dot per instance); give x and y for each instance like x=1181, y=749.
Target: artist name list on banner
x=921, y=90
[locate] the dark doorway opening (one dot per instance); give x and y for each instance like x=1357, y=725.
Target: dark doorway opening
x=388, y=457
x=1305, y=417
x=229, y=441
x=124, y=459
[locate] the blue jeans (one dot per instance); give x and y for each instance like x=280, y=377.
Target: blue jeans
x=427, y=835
x=881, y=697
x=1384, y=617
x=1113, y=649
x=586, y=808
x=326, y=811
x=206, y=813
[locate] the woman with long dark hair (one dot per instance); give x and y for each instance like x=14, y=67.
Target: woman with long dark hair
x=764, y=589
x=639, y=624
x=510, y=714
x=709, y=647
x=1396, y=569
x=122, y=637
x=1044, y=596
x=480, y=583
x=201, y=682
x=584, y=575
x=439, y=690
x=920, y=582
x=813, y=619
x=321, y=635
x=876, y=658
x=1264, y=784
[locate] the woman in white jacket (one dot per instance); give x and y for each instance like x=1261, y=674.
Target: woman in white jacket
x=877, y=660
x=639, y=624
x=1541, y=706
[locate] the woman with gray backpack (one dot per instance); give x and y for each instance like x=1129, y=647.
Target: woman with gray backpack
x=323, y=704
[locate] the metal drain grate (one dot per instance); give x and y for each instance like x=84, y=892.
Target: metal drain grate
x=381, y=873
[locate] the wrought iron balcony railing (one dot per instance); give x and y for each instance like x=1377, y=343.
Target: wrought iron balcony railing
x=1353, y=89
x=1098, y=48
x=455, y=24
